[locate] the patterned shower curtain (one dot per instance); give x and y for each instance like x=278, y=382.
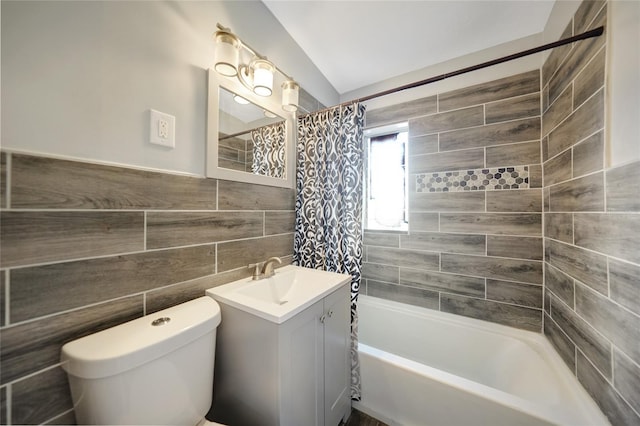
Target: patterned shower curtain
x=329, y=171
x=269, y=150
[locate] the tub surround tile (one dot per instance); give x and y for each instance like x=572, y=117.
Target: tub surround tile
x=497, y=178
x=513, y=108
x=413, y=296
x=508, y=87
x=237, y=254
x=401, y=112
x=544, y=142
x=386, y=273
x=68, y=418
x=560, y=284
x=43, y=290
x=590, y=79
x=403, y=257
x=535, y=176
x=610, y=402
x=423, y=222
x=547, y=301
x=557, y=56
x=586, y=13
x=584, y=194
x=558, y=169
x=447, y=201
x=2, y=297
x=617, y=235
x=517, y=247
x=519, y=200
x=559, y=226
x=520, y=153
x=448, y=283
x=22, y=356
x=445, y=243
x=588, y=155
x=446, y=161
x=488, y=310
x=528, y=271
x=622, y=188
x=40, y=397
x=627, y=379
x=35, y=237
x=588, y=340
x=382, y=239
x=559, y=110
x=525, y=224
x=245, y=196
x=425, y=144
x=443, y=121
x=524, y=130
x=3, y=180
x=39, y=182
x=587, y=267
x=565, y=347
x=624, y=284
x=169, y=229
x=515, y=293
x=3, y=406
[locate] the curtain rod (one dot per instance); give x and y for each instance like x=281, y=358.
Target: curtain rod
x=596, y=32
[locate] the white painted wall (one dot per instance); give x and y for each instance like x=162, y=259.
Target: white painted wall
x=78, y=78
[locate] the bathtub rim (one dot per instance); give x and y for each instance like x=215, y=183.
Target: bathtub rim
x=536, y=341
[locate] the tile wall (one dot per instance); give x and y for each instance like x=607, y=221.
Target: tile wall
x=85, y=247
x=474, y=245
x=591, y=228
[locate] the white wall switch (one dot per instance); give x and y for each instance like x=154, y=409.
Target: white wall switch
x=162, y=129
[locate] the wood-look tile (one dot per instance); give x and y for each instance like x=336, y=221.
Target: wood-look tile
x=613, y=234
x=584, y=121
x=585, y=266
x=425, y=144
x=38, y=182
x=307, y=102
x=544, y=142
x=381, y=239
x=616, y=323
x=595, y=346
x=577, y=59
x=403, y=257
x=516, y=247
x=535, y=176
x=443, y=121
x=401, y=112
x=238, y=254
x=488, y=310
x=3, y=180
x=513, y=154
x=65, y=419
x=410, y=295
x=33, y=237
x=231, y=165
x=48, y=289
x=227, y=153
x=560, y=109
x=563, y=346
x=246, y=196
x=467, y=159
x=2, y=298
x=423, y=222
x=622, y=188
x=560, y=284
x=527, y=271
x=584, y=194
x=586, y=13
x=627, y=379
x=171, y=229
x=38, y=398
x=279, y=222
x=547, y=301
x=508, y=87
x=545, y=98
x=559, y=226
x=556, y=57
x=377, y=272
x=625, y=284
x=4, y=418
x=515, y=293
x=443, y=242
x=524, y=130
x=558, y=169
x=590, y=79
x=546, y=195
x=448, y=283
x=446, y=201
x=515, y=200
x=612, y=405
x=526, y=224
x=513, y=108
x=22, y=356
x=588, y=155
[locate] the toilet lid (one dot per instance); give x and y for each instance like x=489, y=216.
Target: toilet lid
x=205, y=422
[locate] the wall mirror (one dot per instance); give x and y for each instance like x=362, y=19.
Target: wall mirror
x=249, y=138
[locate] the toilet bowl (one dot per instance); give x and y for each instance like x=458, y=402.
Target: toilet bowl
x=157, y=369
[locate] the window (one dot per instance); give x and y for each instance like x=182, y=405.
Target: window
x=386, y=192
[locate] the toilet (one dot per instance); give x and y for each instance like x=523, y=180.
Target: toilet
x=157, y=369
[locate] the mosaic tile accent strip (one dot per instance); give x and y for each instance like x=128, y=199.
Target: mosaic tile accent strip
x=516, y=177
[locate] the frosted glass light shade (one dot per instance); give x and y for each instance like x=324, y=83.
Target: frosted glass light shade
x=227, y=53
x=262, y=77
x=290, y=95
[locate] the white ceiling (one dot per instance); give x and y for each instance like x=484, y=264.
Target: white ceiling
x=360, y=42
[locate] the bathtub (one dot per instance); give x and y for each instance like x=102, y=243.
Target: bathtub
x=424, y=367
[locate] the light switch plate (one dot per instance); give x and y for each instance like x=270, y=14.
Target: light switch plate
x=162, y=129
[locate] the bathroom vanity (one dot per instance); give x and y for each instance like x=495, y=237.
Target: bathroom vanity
x=283, y=349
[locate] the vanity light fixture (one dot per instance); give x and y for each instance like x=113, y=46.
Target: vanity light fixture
x=240, y=100
x=236, y=59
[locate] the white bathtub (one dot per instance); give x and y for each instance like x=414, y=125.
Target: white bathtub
x=424, y=367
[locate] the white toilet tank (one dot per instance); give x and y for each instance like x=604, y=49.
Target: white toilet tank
x=139, y=373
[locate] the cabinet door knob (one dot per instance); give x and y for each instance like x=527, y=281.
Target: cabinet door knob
x=322, y=318
x=330, y=313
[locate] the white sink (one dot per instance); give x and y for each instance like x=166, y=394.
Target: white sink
x=276, y=299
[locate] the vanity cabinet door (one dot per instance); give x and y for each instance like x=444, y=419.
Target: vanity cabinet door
x=337, y=347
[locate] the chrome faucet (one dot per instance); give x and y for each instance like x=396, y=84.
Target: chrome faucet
x=267, y=268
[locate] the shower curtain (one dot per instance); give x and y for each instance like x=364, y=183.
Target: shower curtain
x=329, y=172
x=269, y=150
